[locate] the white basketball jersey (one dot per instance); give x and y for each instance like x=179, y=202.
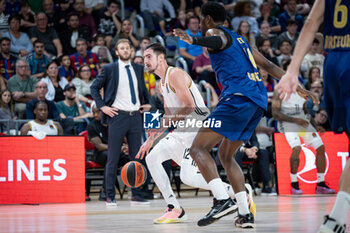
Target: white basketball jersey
x=294, y=106
x=49, y=128
x=173, y=102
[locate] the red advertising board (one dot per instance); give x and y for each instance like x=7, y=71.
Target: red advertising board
x=336, y=146
x=51, y=170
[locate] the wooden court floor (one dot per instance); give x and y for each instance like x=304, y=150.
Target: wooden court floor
x=274, y=214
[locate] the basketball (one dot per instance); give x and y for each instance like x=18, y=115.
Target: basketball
x=133, y=174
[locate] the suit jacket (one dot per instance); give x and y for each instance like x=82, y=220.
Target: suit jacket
x=109, y=81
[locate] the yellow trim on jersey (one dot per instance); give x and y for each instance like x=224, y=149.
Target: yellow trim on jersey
x=56, y=125
x=171, y=88
x=30, y=126
x=166, y=71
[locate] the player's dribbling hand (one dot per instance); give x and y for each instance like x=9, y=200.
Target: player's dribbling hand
x=183, y=35
x=144, y=149
x=287, y=85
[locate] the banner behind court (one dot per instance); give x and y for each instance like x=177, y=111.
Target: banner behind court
x=336, y=146
x=51, y=170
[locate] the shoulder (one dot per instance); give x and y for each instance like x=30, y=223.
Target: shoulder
x=60, y=103
x=110, y=66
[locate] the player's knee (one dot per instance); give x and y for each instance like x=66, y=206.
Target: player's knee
x=195, y=152
x=296, y=150
x=185, y=178
x=320, y=149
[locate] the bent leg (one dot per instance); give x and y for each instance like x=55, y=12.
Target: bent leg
x=160, y=153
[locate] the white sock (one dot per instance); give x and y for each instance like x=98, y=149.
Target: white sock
x=320, y=177
x=229, y=189
x=218, y=189
x=341, y=207
x=242, y=203
x=293, y=177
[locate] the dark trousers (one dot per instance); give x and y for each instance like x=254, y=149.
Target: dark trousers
x=119, y=126
x=209, y=77
x=263, y=162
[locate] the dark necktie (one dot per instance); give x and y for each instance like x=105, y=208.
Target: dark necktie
x=131, y=84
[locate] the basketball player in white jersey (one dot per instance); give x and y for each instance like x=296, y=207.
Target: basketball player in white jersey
x=293, y=122
x=182, y=102
x=41, y=124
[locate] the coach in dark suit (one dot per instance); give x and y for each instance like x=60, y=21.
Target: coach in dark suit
x=125, y=99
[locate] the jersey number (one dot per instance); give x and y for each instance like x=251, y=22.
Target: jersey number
x=343, y=11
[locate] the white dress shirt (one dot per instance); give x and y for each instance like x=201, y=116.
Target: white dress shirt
x=123, y=97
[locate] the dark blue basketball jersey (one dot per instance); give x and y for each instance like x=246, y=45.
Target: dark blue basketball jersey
x=336, y=25
x=236, y=70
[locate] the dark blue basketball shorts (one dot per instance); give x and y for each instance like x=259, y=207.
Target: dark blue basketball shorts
x=239, y=117
x=337, y=90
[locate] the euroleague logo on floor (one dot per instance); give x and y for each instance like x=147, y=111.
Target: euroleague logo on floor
x=307, y=171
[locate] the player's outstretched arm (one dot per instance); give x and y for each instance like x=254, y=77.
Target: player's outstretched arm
x=289, y=81
x=277, y=73
x=214, y=39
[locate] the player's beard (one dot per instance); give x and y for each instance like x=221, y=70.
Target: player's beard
x=150, y=71
x=124, y=58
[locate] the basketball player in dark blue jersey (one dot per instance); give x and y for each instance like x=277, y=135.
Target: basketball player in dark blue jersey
x=335, y=15
x=242, y=103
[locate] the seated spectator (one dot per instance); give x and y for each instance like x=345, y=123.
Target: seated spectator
x=7, y=61
x=251, y=152
x=55, y=83
x=286, y=51
x=101, y=64
x=70, y=106
x=244, y=30
x=302, y=6
x=321, y=120
x=127, y=32
x=153, y=14
x=109, y=24
x=227, y=24
x=188, y=51
x=40, y=92
x=56, y=18
x=314, y=75
x=74, y=31
x=4, y=27
x=291, y=34
x=291, y=13
x=84, y=17
x=38, y=60
x=93, y=7
x=150, y=80
x=265, y=33
x=41, y=123
x=265, y=10
x=22, y=87
x=12, y=7
x=264, y=47
x=143, y=44
x=275, y=8
x=7, y=112
x=203, y=70
x=82, y=84
x=313, y=59
x=27, y=17
x=102, y=53
x=46, y=34
x=269, y=83
x=180, y=21
x=66, y=70
x=242, y=12
x=316, y=89
x=20, y=42
x=83, y=56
